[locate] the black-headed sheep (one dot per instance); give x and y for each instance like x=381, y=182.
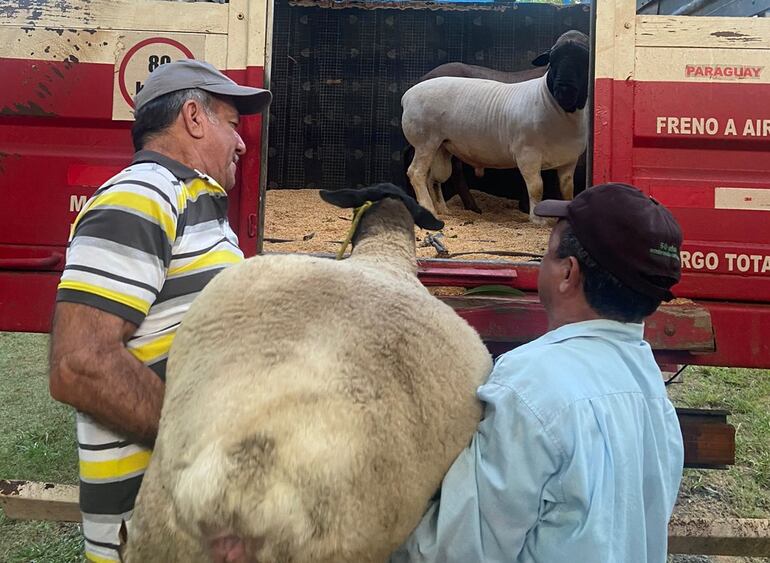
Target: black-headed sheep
x=312, y=406
x=456, y=182
x=534, y=125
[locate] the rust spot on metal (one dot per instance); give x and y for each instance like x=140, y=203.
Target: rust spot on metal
x=56, y=30
x=57, y=72
x=669, y=330
x=69, y=61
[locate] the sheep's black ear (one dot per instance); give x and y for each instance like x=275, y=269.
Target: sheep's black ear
x=542, y=59
x=343, y=198
x=355, y=198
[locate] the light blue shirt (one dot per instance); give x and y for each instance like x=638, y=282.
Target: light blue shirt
x=578, y=458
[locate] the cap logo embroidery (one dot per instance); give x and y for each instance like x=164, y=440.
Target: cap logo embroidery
x=667, y=250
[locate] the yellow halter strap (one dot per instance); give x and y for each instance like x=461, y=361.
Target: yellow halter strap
x=358, y=212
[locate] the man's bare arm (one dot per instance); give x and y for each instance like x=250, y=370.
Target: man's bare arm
x=92, y=370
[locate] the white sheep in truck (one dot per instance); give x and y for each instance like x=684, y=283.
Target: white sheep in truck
x=540, y=124
x=312, y=406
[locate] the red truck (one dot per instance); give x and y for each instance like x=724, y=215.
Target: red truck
x=679, y=109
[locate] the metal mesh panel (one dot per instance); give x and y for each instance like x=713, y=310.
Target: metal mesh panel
x=338, y=75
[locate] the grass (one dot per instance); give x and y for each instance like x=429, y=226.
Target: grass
x=37, y=442
x=744, y=489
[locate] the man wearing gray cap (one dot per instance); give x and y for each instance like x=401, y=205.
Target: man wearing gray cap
x=143, y=246
x=579, y=454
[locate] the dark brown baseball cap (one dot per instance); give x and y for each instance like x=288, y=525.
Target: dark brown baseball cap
x=628, y=233
x=191, y=73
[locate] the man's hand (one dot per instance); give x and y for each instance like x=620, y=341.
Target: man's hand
x=92, y=370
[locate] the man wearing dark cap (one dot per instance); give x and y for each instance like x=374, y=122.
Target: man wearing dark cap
x=579, y=454
x=141, y=249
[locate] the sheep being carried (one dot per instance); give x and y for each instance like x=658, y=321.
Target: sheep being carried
x=539, y=124
x=312, y=406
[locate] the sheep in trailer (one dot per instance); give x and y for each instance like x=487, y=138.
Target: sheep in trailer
x=534, y=125
x=462, y=70
x=456, y=179
x=312, y=406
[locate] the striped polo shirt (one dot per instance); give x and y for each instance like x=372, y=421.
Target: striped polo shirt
x=144, y=245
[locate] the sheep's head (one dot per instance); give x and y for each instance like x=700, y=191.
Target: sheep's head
x=357, y=197
x=567, y=76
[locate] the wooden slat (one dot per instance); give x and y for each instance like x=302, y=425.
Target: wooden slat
x=28, y=500
x=703, y=32
x=722, y=536
x=707, y=444
x=137, y=15
x=23, y=500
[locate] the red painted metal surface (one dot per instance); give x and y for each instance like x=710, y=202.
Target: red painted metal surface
x=58, y=143
x=26, y=300
x=435, y=272
x=506, y=321
x=703, y=333
x=726, y=252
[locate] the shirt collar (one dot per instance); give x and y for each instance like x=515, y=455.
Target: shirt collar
x=632, y=332
x=178, y=169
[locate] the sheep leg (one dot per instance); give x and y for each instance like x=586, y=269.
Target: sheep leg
x=529, y=166
x=440, y=172
x=418, y=173
x=438, y=197
x=407, y=155
x=567, y=180
x=461, y=186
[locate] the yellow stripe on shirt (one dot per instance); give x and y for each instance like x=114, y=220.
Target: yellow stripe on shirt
x=198, y=186
x=136, y=202
x=91, y=557
x=129, y=300
x=205, y=260
x=114, y=468
x=153, y=349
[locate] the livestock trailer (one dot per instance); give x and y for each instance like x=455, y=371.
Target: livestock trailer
x=679, y=109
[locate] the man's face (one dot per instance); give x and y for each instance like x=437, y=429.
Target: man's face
x=552, y=270
x=223, y=143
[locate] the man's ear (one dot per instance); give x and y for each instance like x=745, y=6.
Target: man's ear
x=193, y=116
x=573, y=277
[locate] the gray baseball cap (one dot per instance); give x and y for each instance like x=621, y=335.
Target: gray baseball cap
x=191, y=73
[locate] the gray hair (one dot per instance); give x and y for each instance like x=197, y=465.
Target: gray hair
x=156, y=116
